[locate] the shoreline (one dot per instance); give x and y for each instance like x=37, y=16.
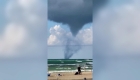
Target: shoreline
x=69, y=71
x=70, y=76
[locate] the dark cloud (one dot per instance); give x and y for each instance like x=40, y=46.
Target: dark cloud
x=97, y=4
x=75, y=13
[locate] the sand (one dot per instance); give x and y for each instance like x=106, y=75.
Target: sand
x=70, y=76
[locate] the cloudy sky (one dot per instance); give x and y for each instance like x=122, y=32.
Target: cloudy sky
x=23, y=30
x=116, y=41
x=23, y=34
x=75, y=25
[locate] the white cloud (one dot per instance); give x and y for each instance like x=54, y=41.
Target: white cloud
x=25, y=30
x=117, y=41
x=119, y=30
x=59, y=36
x=13, y=37
x=31, y=12
x=86, y=36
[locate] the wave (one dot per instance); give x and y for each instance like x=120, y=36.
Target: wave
x=68, y=71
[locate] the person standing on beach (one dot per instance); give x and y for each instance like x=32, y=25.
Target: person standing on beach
x=79, y=69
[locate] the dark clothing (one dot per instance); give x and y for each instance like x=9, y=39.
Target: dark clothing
x=79, y=70
x=76, y=73
x=49, y=74
x=59, y=75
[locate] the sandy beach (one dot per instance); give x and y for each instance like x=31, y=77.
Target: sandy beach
x=70, y=76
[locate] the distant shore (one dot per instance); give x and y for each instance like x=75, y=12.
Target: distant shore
x=70, y=76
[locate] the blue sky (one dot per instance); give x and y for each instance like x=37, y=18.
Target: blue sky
x=60, y=49
x=23, y=69
x=2, y=17
x=64, y=26
x=52, y=23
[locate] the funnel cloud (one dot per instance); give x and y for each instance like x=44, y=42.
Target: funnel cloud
x=71, y=49
x=74, y=13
